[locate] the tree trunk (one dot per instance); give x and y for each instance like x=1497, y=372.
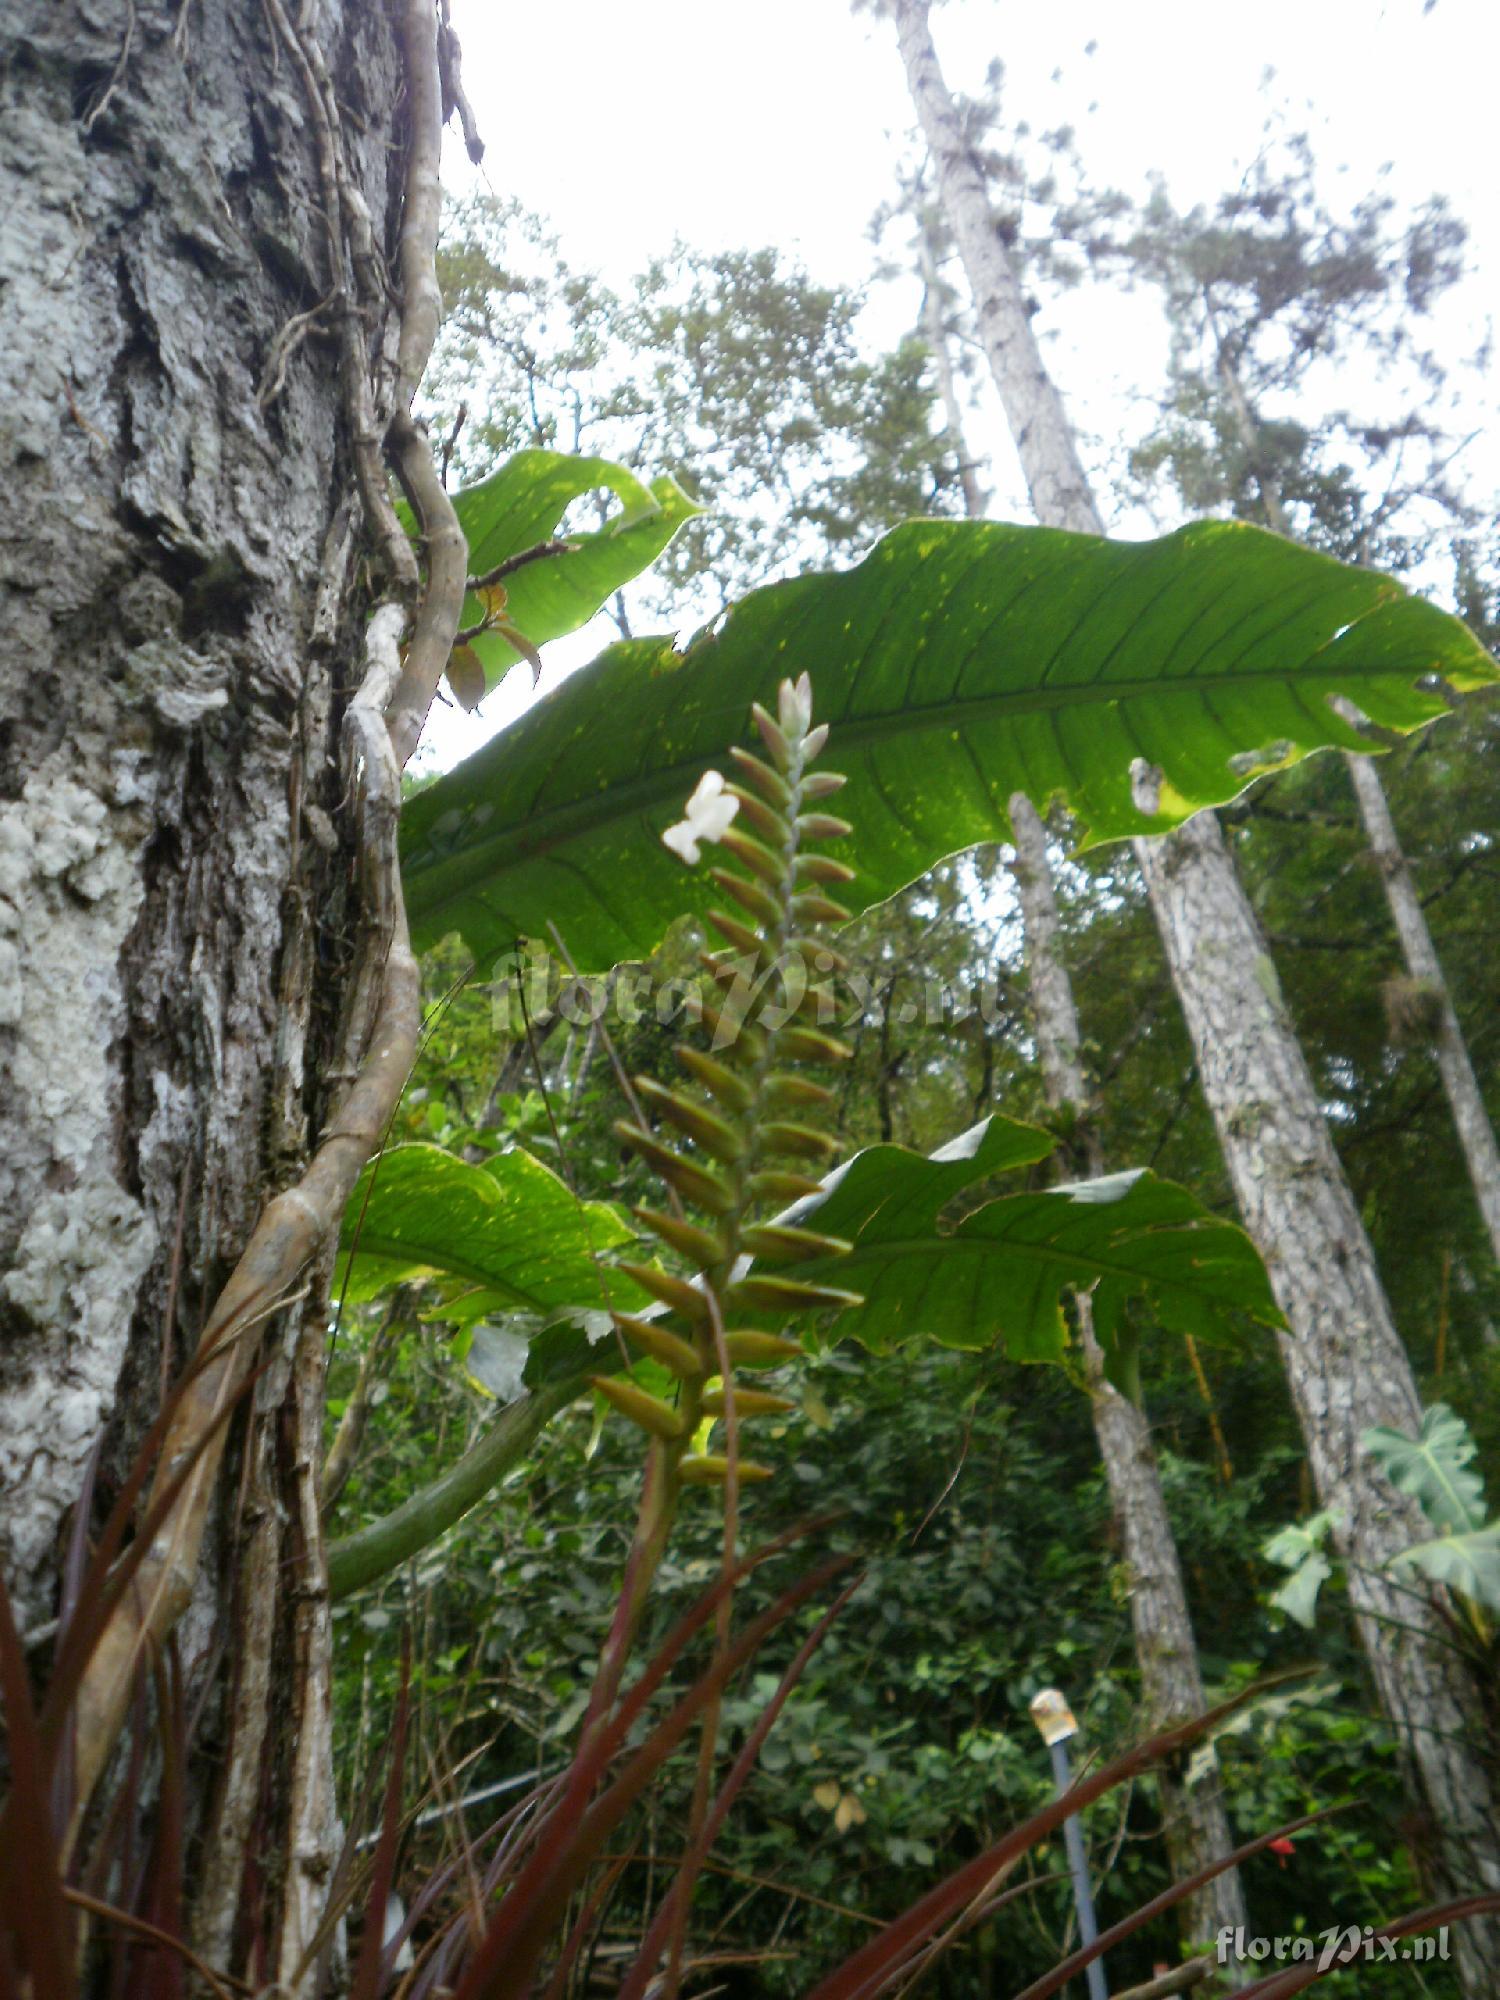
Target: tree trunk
x=1476, y=1135
x=1195, y=1823
x=177, y=919
x=1345, y=1362
x=935, y=333
x=1471, y=1120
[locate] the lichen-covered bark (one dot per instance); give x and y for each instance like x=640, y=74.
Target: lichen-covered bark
x=1196, y=1825
x=1471, y=1119
x=181, y=624
x=1345, y=1362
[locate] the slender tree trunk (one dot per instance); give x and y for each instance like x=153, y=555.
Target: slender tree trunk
x=1471, y=1119
x=1196, y=1825
x=187, y=341
x=1476, y=1135
x=935, y=333
x=1345, y=1362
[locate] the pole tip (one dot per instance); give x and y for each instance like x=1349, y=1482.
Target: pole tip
x=1053, y=1717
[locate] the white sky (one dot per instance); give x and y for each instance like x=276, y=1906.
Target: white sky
x=740, y=123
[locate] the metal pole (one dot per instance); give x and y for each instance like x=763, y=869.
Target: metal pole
x=1053, y=1717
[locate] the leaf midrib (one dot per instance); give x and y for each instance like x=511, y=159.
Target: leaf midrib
x=535, y=836
x=395, y=1251
x=1041, y=1253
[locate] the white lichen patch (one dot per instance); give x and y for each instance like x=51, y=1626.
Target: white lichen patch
x=70, y=887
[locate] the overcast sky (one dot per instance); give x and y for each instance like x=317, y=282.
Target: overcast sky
x=736, y=125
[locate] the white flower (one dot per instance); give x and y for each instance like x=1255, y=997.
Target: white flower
x=709, y=812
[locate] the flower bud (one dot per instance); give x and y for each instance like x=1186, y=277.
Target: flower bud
x=747, y=1403
x=669, y=1348
x=770, y=784
x=808, y=1045
x=816, y=908
x=783, y=1091
x=776, y=1184
x=730, y=1089
x=768, y=823
x=779, y=1243
x=699, y=1246
x=817, y=867
x=771, y=735
x=694, y=1183
x=794, y=705
x=821, y=784
x=686, y=1300
x=749, y=895
x=756, y=856
x=786, y=1296
x=750, y=1348
x=708, y=1470
x=653, y=1415
x=806, y=1141
x=709, y=1130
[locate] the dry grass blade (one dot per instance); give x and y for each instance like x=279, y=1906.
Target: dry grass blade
x=1062, y=1972
x=367, y=1981
x=871, y=1968
x=674, y=1904
x=31, y=1897
x=535, y=1906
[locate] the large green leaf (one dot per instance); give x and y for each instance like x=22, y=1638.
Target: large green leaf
x=508, y=1236
x=1001, y=1272
x=1469, y=1562
x=522, y=505
x=1434, y=1467
x=1300, y=1548
x=959, y=663
x=848, y=1199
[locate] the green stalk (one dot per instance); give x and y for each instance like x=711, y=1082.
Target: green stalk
x=373, y=1552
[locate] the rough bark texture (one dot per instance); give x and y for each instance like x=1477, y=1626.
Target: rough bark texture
x=1471, y=1120
x=1476, y=1135
x=935, y=333
x=182, y=626
x=1345, y=1362
x=1195, y=1823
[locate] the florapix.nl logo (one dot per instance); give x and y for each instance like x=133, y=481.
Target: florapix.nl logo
x=1337, y=1944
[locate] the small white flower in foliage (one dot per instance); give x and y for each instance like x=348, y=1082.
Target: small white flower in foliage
x=709, y=812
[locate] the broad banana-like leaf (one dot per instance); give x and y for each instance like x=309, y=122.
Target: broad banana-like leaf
x=961, y=662
x=1000, y=1274
x=1434, y=1468
x=1300, y=1548
x=522, y=505
x=507, y=1236
x=851, y=1193
x=1468, y=1562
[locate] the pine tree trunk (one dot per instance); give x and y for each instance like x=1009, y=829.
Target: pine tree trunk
x=1471, y=1120
x=185, y=615
x=1476, y=1135
x=935, y=333
x=1345, y=1362
x=1195, y=1823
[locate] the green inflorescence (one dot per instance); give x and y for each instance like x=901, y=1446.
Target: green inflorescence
x=742, y=1141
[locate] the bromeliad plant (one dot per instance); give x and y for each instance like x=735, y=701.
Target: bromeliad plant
x=747, y=1129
